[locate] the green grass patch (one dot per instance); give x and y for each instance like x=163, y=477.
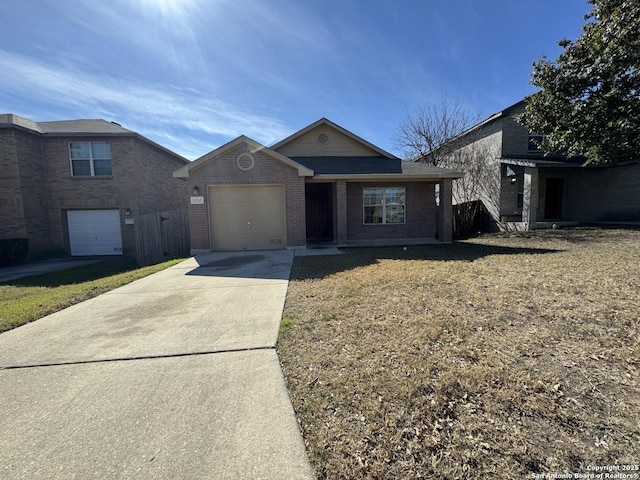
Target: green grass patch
x=30, y=298
x=287, y=323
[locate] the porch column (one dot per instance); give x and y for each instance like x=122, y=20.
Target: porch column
x=341, y=210
x=530, y=197
x=445, y=222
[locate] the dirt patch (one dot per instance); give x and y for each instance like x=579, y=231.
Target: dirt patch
x=497, y=357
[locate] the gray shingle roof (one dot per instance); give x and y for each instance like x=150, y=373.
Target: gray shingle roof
x=367, y=166
x=66, y=127
x=97, y=126
x=76, y=128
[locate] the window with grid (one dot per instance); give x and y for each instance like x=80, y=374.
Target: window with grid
x=384, y=205
x=90, y=159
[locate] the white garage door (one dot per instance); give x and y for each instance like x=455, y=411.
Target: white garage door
x=247, y=217
x=94, y=232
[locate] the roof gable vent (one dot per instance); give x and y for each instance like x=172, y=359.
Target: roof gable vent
x=322, y=138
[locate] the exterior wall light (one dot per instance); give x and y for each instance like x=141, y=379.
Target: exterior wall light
x=127, y=212
x=196, y=191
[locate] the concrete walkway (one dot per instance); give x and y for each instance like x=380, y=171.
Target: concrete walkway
x=172, y=376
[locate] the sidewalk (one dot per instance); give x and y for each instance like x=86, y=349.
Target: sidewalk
x=8, y=274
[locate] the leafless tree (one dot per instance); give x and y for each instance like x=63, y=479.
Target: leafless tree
x=431, y=133
x=447, y=135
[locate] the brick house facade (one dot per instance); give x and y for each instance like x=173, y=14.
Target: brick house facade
x=38, y=186
x=322, y=184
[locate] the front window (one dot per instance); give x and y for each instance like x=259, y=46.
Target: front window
x=90, y=159
x=384, y=205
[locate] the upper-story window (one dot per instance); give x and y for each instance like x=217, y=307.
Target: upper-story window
x=90, y=159
x=535, y=143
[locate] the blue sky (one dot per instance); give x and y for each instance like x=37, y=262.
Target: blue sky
x=194, y=74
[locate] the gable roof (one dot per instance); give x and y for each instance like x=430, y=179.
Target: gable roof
x=329, y=123
x=492, y=118
x=77, y=128
x=183, y=172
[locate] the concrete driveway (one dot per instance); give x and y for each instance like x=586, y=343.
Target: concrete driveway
x=172, y=376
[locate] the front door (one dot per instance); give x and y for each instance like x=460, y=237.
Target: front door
x=553, y=198
x=319, y=212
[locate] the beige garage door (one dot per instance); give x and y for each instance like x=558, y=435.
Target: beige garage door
x=247, y=217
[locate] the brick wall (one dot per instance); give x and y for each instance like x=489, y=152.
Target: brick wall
x=155, y=186
x=34, y=196
x=72, y=193
x=420, y=213
x=12, y=223
x=267, y=170
x=600, y=194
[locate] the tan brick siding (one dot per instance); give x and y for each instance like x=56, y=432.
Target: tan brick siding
x=223, y=170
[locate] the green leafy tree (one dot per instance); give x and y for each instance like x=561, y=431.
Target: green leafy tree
x=589, y=103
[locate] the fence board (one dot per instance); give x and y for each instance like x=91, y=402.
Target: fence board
x=162, y=236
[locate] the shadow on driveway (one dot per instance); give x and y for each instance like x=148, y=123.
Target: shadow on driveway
x=268, y=265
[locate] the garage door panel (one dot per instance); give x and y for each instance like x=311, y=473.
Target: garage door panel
x=247, y=217
x=94, y=232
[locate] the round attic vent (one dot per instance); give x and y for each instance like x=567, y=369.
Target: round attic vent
x=245, y=161
x=323, y=138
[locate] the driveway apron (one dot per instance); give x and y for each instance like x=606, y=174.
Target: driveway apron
x=172, y=376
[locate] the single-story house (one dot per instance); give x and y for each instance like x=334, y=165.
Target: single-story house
x=323, y=184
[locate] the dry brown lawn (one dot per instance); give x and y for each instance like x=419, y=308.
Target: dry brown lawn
x=497, y=357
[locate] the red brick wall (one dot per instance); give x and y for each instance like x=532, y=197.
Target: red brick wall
x=420, y=213
x=267, y=170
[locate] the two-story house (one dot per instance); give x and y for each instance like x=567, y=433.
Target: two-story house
x=76, y=187
x=525, y=189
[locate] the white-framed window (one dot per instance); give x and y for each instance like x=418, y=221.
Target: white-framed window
x=384, y=205
x=90, y=159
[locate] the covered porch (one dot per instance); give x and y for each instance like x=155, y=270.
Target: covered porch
x=364, y=211
x=535, y=194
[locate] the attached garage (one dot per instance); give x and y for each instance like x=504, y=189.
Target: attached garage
x=94, y=232
x=247, y=217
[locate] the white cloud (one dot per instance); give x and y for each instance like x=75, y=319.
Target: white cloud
x=150, y=108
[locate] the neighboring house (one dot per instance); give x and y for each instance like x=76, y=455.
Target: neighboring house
x=76, y=187
x=322, y=184
x=522, y=189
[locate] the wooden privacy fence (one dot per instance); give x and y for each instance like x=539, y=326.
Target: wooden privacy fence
x=469, y=218
x=162, y=236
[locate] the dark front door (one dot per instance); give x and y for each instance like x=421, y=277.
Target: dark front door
x=319, y=210
x=553, y=198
